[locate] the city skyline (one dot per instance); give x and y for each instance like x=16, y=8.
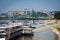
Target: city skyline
x=38, y=5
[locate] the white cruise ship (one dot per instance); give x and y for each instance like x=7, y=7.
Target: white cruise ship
x=27, y=28
x=8, y=31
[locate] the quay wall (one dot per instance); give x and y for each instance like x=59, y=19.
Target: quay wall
x=57, y=32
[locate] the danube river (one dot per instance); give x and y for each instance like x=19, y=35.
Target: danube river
x=46, y=35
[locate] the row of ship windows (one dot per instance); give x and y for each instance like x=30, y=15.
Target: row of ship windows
x=13, y=28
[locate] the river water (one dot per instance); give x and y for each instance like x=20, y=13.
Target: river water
x=46, y=35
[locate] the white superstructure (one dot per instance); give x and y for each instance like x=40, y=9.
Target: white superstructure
x=11, y=30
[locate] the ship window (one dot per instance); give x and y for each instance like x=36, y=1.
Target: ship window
x=17, y=26
x=13, y=27
x=2, y=35
x=6, y=35
x=7, y=29
x=2, y=31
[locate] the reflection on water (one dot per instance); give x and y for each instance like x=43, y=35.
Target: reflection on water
x=25, y=37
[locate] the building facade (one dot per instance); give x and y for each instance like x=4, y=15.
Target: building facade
x=13, y=13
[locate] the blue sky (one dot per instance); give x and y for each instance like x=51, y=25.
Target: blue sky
x=48, y=5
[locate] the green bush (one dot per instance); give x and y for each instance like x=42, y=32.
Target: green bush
x=58, y=29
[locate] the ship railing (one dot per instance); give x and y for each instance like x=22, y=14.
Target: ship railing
x=14, y=30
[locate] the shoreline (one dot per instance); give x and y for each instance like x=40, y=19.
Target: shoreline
x=57, y=33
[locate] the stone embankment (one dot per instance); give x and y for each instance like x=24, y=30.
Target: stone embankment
x=57, y=32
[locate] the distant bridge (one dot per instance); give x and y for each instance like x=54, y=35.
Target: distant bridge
x=29, y=18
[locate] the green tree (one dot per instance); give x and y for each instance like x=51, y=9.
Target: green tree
x=57, y=16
